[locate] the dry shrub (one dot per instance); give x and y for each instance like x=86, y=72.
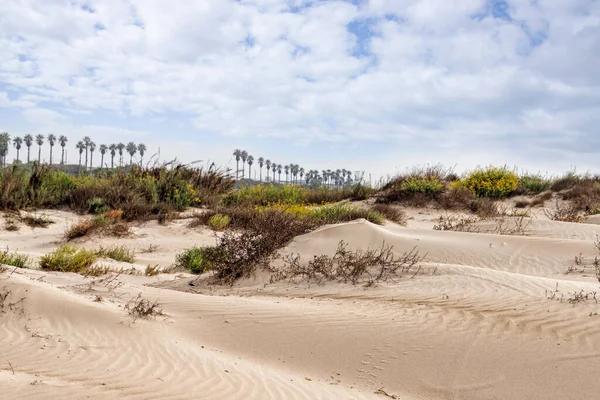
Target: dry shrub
x=485, y=208
x=108, y=222
x=351, y=266
x=391, y=213
x=238, y=254
x=34, y=221
x=456, y=223
x=565, y=212
x=522, y=204
x=457, y=198
x=142, y=308
x=503, y=225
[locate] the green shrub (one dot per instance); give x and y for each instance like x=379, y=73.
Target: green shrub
x=429, y=186
x=14, y=259
x=68, y=259
x=117, y=253
x=96, y=205
x=218, y=222
x=533, y=184
x=491, y=182
x=336, y=213
x=194, y=260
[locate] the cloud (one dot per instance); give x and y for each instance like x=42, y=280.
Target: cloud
x=405, y=79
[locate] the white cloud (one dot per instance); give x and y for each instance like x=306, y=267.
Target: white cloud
x=436, y=81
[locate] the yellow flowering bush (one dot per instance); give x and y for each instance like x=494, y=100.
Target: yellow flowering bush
x=491, y=182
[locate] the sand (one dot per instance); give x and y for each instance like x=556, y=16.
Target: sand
x=486, y=317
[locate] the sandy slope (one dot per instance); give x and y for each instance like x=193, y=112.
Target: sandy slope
x=474, y=323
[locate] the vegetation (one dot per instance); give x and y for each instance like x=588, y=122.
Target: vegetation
x=140, y=193
x=69, y=259
x=193, y=260
x=218, y=222
x=491, y=182
x=347, y=266
x=14, y=259
x=117, y=253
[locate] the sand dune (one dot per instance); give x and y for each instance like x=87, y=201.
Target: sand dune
x=486, y=317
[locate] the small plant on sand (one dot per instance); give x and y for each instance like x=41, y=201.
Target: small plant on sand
x=491, y=182
x=218, y=222
x=117, y=253
x=139, y=307
x=35, y=221
x=193, y=260
x=68, y=259
x=14, y=259
x=151, y=248
x=152, y=270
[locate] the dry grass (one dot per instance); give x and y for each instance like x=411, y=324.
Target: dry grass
x=109, y=222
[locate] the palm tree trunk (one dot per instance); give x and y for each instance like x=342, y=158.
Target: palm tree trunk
x=237, y=169
x=62, y=155
x=18, y=156
x=260, y=174
x=112, y=162
x=91, y=159
x=79, y=160
x=131, y=159
x=51, y=146
x=102, y=161
x=28, y=154
x=39, y=154
x=86, y=157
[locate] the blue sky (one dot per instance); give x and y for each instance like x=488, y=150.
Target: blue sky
x=374, y=85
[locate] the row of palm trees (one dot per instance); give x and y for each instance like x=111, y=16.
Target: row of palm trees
x=85, y=145
x=328, y=177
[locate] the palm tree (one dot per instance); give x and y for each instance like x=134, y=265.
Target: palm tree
x=121, y=147
x=28, y=139
x=86, y=143
x=261, y=162
x=142, y=150
x=301, y=174
x=287, y=171
x=279, y=171
x=250, y=162
x=103, y=149
x=244, y=157
x=238, y=154
x=294, y=172
x=113, y=153
x=39, y=140
x=51, y=141
x=131, y=149
x=92, y=149
x=18, y=142
x=4, y=141
x=80, y=146
x=268, y=165
x=62, y=139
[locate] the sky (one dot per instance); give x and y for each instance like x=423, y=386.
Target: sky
x=367, y=85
